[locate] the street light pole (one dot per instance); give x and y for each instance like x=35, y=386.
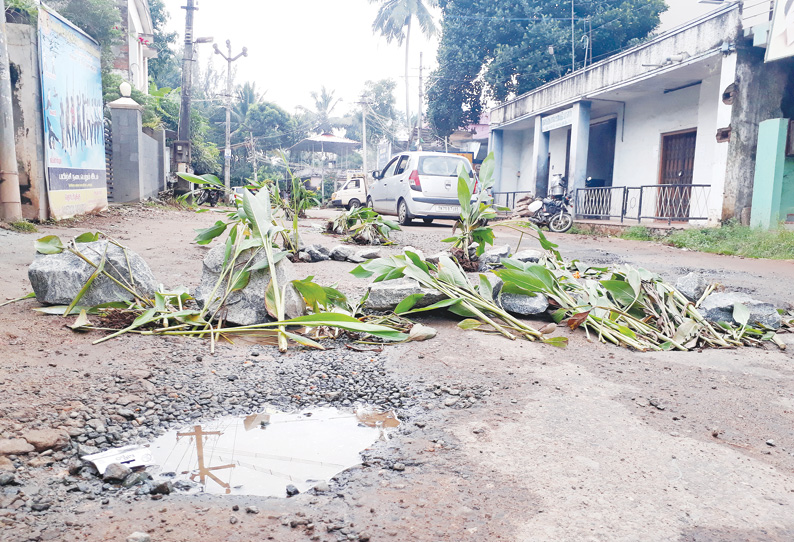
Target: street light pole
x=227, y=153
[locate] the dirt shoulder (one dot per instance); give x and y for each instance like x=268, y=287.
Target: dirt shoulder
x=501, y=440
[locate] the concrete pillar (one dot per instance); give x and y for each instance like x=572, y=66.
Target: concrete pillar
x=769, y=167
x=126, y=118
x=580, y=141
x=496, y=146
x=163, y=166
x=540, y=161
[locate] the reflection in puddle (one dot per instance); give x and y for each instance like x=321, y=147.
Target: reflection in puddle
x=262, y=453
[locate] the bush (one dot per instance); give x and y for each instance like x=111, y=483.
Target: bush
x=734, y=239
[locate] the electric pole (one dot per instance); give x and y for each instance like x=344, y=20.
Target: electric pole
x=364, y=106
x=253, y=154
x=10, y=201
x=573, y=43
x=227, y=153
x=421, y=106
x=182, y=144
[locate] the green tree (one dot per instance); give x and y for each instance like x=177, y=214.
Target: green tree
x=100, y=19
x=494, y=50
x=165, y=70
x=324, y=104
x=382, y=115
x=394, y=20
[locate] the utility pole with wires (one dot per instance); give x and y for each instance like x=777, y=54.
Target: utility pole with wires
x=365, y=105
x=227, y=152
x=573, y=39
x=10, y=200
x=253, y=155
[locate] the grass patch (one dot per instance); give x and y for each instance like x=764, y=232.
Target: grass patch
x=737, y=240
x=23, y=226
x=638, y=233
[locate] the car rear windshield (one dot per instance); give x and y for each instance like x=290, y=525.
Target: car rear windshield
x=443, y=166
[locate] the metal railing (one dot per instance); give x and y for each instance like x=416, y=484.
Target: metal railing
x=508, y=199
x=670, y=202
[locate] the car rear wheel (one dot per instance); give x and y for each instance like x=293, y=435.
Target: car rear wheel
x=403, y=216
x=370, y=204
x=427, y=220
x=353, y=204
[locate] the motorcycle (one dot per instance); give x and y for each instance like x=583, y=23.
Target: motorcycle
x=208, y=195
x=552, y=212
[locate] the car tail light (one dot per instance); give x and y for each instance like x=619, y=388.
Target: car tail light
x=476, y=183
x=413, y=181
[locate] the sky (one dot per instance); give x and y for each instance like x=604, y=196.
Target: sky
x=298, y=46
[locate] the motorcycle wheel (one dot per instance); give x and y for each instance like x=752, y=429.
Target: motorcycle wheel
x=202, y=197
x=561, y=222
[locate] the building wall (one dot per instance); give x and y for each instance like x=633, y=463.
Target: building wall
x=512, y=150
x=763, y=92
x=28, y=130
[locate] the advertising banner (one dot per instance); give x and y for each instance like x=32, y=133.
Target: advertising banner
x=781, y=35
x=74, y=135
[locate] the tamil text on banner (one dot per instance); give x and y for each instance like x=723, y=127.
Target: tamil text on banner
x=71, y=89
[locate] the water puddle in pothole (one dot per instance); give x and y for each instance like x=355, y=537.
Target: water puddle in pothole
x=262, y=453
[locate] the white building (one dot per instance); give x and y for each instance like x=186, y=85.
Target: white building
x=668, y=128
x=132, y=58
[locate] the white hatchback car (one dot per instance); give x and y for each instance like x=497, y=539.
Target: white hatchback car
x=419, y=185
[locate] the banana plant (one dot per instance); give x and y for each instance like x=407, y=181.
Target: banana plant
x=475, y=303
x=475, y=211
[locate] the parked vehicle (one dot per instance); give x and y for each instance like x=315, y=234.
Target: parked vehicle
x=351, y=195
x=209, y=195
x=236, y=194
x=552, y=211
x=419, y=185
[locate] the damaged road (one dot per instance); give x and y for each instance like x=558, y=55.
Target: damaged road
x=499, y=440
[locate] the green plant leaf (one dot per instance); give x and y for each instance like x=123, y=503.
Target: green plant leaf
x=450, y=272
x=303, y=341
x=87, y=237
x=443, y=304
x=50, y=244
x=263, y=263
x=464, y=195
x=206, y=235
x=469, y=323
x=558, y=342
x=240, y=281
x=622, y=292
x=417, y=261
x=346, y=322
x=408, y=303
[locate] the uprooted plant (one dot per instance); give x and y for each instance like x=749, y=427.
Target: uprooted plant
x=475, y=303
x=475, y=212
x=249, y=248
x=363, y=226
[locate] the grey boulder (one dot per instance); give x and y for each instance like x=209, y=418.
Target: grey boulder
x=523, y=305
x=247, y=306
x=58, y=278
x=692, y=286
x=344, y=253
x=528, y=256
x=719, y=308
x=492, y=258
x=368, y=253
x=341, y=253
x=386, y=295
x=314, y=253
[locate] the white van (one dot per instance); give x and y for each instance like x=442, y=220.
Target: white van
x=350, y=195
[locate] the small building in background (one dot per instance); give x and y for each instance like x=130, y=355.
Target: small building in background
x=132, y=56
x=667, y=130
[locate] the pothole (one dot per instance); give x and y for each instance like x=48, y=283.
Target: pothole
x=264, y=453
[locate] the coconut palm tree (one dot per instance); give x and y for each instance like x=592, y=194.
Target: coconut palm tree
x=324, y=104
x=393, y=21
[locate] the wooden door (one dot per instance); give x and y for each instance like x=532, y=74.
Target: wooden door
x=676, y=172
